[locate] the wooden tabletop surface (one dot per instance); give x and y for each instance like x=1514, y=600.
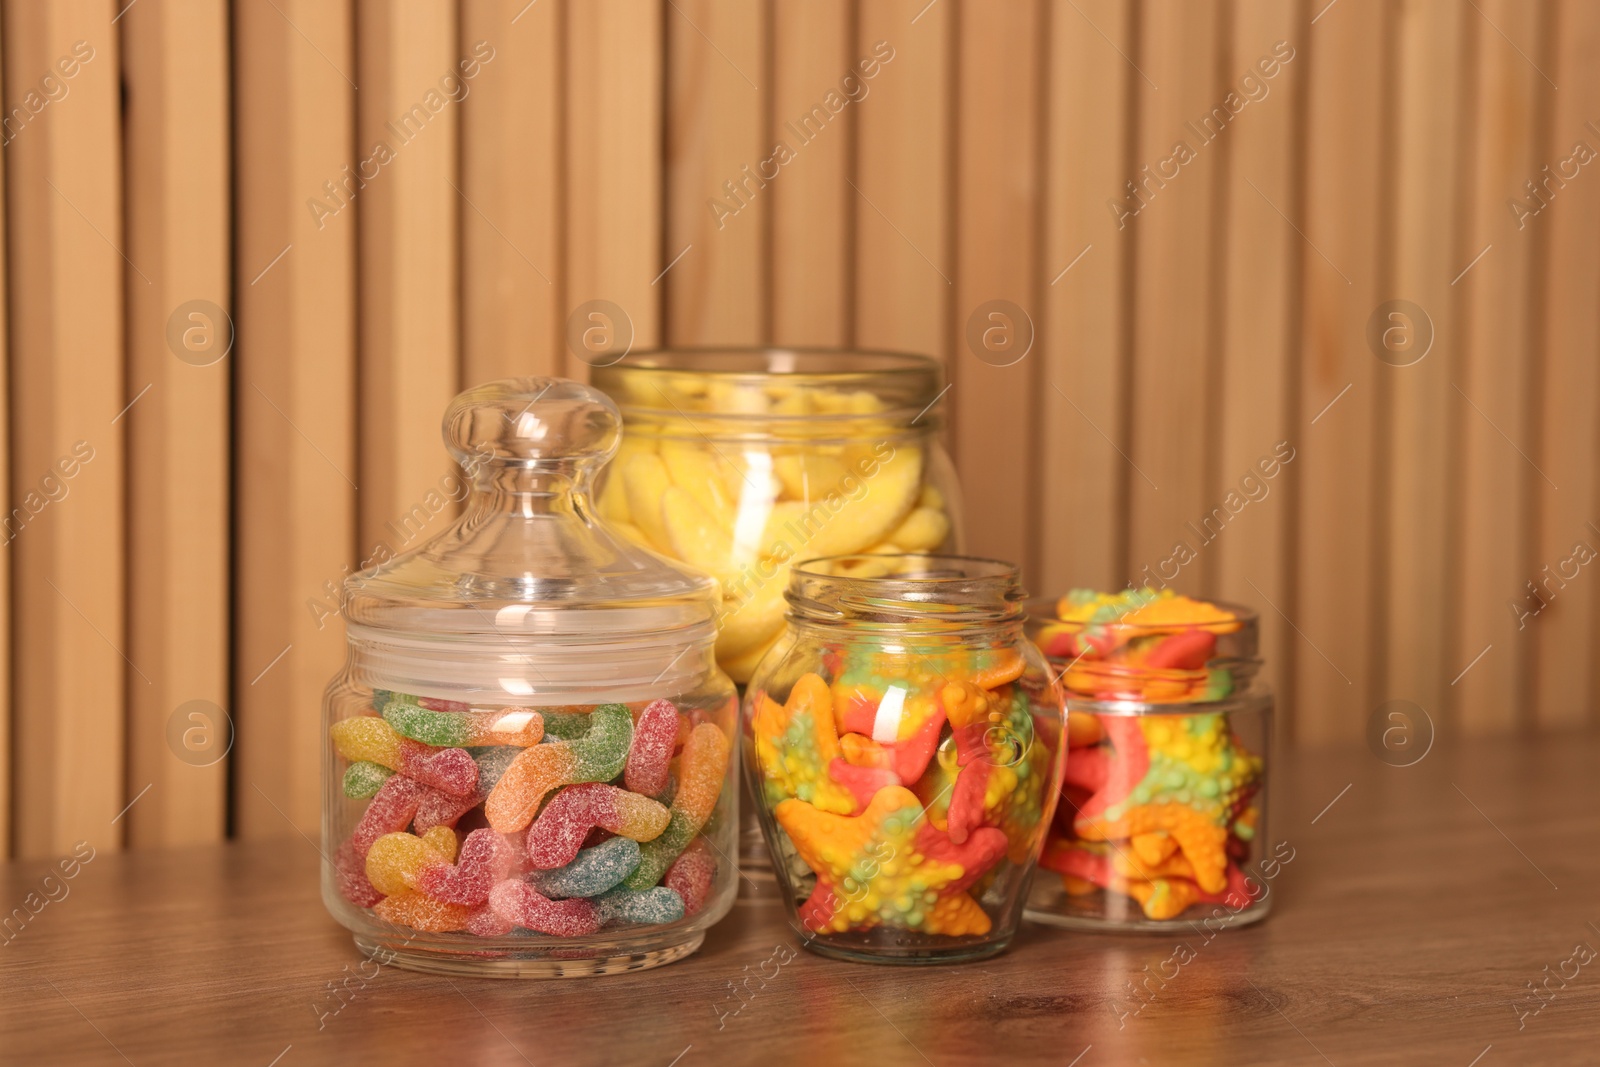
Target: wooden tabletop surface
x=1420, y=905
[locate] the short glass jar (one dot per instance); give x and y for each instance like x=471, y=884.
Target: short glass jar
x=528, y=769
x=1163, y=816
x=741, y=461
x=904, y=745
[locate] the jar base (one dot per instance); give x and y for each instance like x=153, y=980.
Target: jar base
x=529, y=964
x=1090, y=922
x=907, y=957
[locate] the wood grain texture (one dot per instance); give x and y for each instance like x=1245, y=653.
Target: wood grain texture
x=294, y=401
x=1494, y=389
x=1082, y=466
x=720, y=168
x=1417, y=404
x=510, y=192
x=5, y=494
x=407, y=122
x=997, y=283
x=1339, y=254
x=613, y=152
x=1563, y=630
x=1167, y=214
x=904, y=260
x=65, y=518
x=814, y=49
x=177, y=195
x=1427, y=977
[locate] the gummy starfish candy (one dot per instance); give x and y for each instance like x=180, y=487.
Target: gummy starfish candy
x=796, y=742
x=889, y=866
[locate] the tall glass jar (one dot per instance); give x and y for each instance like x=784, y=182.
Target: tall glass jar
x=1163, y=819
x=528, y=769
x=742, y=461
x=904, y=744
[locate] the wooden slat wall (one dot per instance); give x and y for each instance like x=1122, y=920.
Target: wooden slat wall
x=988, y=157
x=294, y=398
x=64, y=207
x=177, y=195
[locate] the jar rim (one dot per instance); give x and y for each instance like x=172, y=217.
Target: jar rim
x=757, y=361
x=909, y=386
x=940, y=592
x=1045, y=611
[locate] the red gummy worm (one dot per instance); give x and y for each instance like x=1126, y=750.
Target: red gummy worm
x=654, y=736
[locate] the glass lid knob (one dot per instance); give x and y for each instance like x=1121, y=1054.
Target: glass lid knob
x=548, y=423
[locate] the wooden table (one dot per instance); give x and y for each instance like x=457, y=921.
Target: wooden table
x=1419, y=905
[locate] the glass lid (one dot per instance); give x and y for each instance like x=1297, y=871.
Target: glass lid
x=529, y=561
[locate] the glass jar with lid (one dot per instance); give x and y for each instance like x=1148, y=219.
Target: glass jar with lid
x=528, y=765
x=742, y=461
x=903, y=742
x=1163, y=817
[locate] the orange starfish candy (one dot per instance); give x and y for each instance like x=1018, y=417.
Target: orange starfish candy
x=889, y=867
x=795, y=744
x=1204, y=843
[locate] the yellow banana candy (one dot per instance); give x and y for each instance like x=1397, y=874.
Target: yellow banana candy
x=746, y=513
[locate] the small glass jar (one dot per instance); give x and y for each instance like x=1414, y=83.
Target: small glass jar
x=904, y=744
x=528, y=769
x=1163, y=818
x=741, y=461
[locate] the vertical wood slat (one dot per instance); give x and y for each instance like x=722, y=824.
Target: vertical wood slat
x=997, y=126
x=1255, y=372
x=176, y=75
x=510, y=193
x=1339, y=279
x=411, y=67
x=1419, y=398
x=1171, y=231
x=65, y=207
x=294, y=389
x=613, y=150
x=1496, y=490
x=904, y=263
x=719, y=172
x=5, y=494
x=1082, y=332
x=812, y=205
x=1563, y=632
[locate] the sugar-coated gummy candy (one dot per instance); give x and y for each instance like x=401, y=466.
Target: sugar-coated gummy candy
x=486, y=858
x=396, y=861
x=521, y=904
x=486, y=922
x=370, y=738
x=519, y=727
x=700, y=773
x=492, y=764
x=594, y=871
x=658, y=904
x=598, y=756
x=558, y=833
x=692, y=875
x=364, y=778
x=390, y=811
x=654, y=737
x=565, y=726
x=420, y=913
x=350, y=873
